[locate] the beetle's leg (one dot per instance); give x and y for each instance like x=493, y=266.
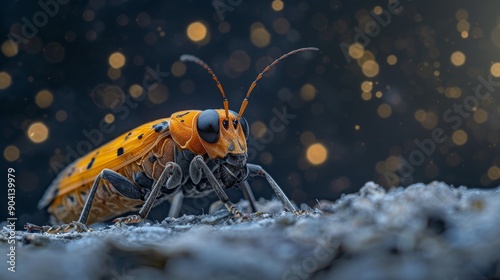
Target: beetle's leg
x=254, y=169
x=79, y=227
x=119, y=182
x=199, y=164
x=172, y=174
x=248, y=194
x=175, y=204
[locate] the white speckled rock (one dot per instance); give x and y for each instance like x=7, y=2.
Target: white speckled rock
x=420, y=232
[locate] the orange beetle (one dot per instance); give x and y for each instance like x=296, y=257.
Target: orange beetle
x=189, y=154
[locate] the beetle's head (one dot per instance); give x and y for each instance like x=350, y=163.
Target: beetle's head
x=221, y=136
x=222, y=132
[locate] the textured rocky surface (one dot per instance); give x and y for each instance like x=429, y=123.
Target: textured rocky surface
x=420, y=232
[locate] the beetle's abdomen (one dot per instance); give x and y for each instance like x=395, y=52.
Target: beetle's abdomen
x=108, y=202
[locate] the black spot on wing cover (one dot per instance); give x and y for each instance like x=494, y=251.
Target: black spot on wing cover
x=90, y=163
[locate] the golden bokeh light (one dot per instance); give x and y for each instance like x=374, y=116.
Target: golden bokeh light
x=459, y=137
x=158, y=94
x=480, y=116
x=356, y=50
x=366, y=95
x=453, y=92
x=11, y=153
x=316, y=154
x=420, y=115
x=384, y=111
x=277, y=5
x=430, y=121
x=260, y=37
x=109, y=118
x=495, y=69
x=463, y=26
x=178, y=69
x=9, y=48
x=197, y=31
x=44, y=98
x=377, y=10
x=380, y=167
x=5, y=80
x=258, y=129
x=392, y=163
x=461, y=14
x=136, y=91
x=367, y=55
x=38, y=132
x=392, y=59
x=458, y=58
x=357, y=127
x=494, y=173
x=117, y=60
x=367, y=86
x=308, y=92
x=495, y=36
x=370, y=68
x=378, y=94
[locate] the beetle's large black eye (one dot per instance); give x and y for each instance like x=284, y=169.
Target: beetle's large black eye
x=244, y=126
x=208, y=126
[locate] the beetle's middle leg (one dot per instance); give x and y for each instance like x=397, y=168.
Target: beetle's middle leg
x=172, y=175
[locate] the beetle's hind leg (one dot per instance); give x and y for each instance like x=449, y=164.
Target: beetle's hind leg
x=79, y=227
x=172, y=175
x=119, y=182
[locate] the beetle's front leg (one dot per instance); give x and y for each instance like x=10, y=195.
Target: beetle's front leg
x=254, y=170
x=172, y=175
x=197, y=166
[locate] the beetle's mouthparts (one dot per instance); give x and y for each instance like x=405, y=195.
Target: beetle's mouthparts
x=237, y=160
x=233, y=169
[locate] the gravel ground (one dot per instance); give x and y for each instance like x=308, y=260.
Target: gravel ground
x=420, y=232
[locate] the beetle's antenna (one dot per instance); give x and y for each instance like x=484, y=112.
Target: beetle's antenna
x=254, y=83
x=192, y=58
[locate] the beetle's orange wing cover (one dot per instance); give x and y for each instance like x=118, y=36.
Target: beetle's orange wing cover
x=114, y=155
